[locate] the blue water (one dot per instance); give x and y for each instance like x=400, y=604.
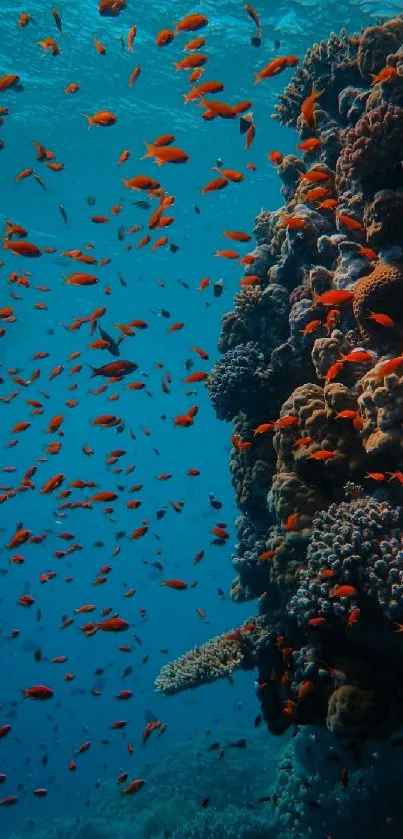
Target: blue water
x=153, y=106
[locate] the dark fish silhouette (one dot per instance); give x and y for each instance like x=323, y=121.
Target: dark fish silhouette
x=113, y=347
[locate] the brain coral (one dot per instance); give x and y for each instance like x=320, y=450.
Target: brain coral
x=361, y=544
x=380, y=292
x=352, y=713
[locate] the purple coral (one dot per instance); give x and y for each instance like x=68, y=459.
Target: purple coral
x=372, y=154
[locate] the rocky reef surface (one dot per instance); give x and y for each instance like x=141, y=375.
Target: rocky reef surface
x=311, y=376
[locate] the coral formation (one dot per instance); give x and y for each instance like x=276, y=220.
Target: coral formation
x=380, y=291
x=217, y=659
x=312, y=379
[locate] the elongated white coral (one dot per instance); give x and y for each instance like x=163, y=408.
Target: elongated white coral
x=217, y=659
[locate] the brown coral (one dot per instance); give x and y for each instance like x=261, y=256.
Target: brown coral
x=383, y=218
x=381, y=407
x=376, y=43
x=370, y=159
x=352, y=713
x=380, y=292
x=301, y=482
x=329, y=65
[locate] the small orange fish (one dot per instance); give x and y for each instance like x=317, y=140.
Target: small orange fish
x=277, y=65
x=176, y=584
x=275, y=157
x=309, y=106
x=164, y=37
x=390, y=366
x=311, y=144
x=343, y=591
x=311, y=326
x=357, y=357
x=294, y=222
x=351, y=223
x=334, y=297
x=384, y=75
x=322, y=454
x=381, y=319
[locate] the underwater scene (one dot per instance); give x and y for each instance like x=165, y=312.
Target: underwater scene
x=201, y=388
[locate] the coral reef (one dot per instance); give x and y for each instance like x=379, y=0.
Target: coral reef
x=312, y=378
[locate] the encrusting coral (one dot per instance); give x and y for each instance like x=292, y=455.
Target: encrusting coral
x=312, y=378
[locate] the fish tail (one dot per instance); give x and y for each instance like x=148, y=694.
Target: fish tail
x=149, y=150
x=87, y=116
x=94, y=371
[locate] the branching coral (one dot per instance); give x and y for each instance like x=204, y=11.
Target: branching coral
x=329, y=65
x=217, y=659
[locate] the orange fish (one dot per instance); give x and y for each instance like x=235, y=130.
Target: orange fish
x=101, y=118
x=343, y=591
x=308, y=107
x=191, y=23
x=294, y=222
x=350, y=222
x=390, y=366
x=334, y=297
x=311, y=144
x=275, y=157
x=357, y=357
x=164, y=37
x=176, y=584
x=134, y=75
x=384, y=75
x=276, y=66
x=166, y=154
x=381, y=319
